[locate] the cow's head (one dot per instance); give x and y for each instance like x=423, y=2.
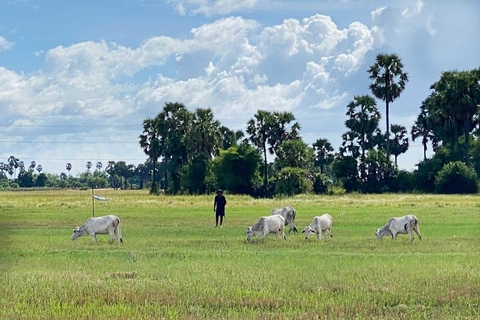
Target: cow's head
x=379, y=233
x=78, y=232
x=249, y=233
x=308, y=231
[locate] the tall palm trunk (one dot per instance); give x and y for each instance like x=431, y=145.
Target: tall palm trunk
x=388, y=129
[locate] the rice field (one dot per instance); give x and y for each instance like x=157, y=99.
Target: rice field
x=174, y=264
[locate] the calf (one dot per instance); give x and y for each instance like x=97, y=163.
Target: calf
x=101, y=225
x=402, y=225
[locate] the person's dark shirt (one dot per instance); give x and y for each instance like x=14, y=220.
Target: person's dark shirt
x=221, y=202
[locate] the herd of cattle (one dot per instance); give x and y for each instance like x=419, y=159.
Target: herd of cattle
x=275, y=223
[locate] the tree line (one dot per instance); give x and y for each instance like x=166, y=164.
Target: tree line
x=192, y=152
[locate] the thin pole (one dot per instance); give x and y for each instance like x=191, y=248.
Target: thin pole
x=93, y=204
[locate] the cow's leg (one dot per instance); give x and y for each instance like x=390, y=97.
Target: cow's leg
x=415, y=228
x=319, y=234
x=330, y=232
x=111, y=233
x=394, y=236
x=410, y=234
x=94, y=237
x=283, y=234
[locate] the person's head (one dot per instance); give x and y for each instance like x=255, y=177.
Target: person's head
x=219, y=192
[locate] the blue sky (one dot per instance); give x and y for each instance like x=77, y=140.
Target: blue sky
x=77, y=78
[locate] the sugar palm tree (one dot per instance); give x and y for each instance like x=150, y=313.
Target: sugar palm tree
x=259, y=130
x=389, y=82
x=399, y=141
x=152, y=145
x=68, y=167
x=324, y=153
x=204, y=136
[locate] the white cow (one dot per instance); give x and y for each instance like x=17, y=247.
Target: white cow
x=319, y=224
x=288, y=213
x=101, y=225
x=264, y=226
x=403, y=225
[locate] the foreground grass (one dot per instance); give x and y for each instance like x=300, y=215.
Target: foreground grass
x=175, y=265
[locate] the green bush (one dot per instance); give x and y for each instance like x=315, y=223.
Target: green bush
x=321, y=183
x=456, y=177
x=291, y=181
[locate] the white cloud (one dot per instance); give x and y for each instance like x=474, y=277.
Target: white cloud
x=214, y=7
x=5, y=44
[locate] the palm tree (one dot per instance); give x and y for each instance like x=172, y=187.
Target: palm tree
x=204, y=136
x=279, y=130
x=389, y=82
x=323, y=153
x=363, y=119
x=399, y=141
x=68, y=167
x=152, y=146
x=422, y=129
x=259, y=130
x=13, y=162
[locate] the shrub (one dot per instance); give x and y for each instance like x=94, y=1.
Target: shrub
x=320, y=186
x=291, y=181
x=456, y=177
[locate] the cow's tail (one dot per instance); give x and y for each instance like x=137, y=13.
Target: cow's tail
x=117, y=230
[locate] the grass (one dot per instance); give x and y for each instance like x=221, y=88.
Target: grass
x=175, y=265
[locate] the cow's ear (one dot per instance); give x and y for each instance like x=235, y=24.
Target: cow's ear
x=303, y=231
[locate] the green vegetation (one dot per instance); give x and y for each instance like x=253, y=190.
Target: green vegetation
x=174, y=264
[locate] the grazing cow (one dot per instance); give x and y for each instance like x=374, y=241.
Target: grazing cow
x=403, y=225
x=264, y=226
x=319, y=224
x=101, y=225
x=288, y=213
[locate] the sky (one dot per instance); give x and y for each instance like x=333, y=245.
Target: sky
x=77, y=78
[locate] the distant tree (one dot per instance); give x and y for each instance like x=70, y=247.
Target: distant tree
x=204, y=136
x=455, y=178
x=399, y=141
x=14, y=163
x=280, y=130
x=153, y=144
x=32, y=166
x=41, y=178
x=362, y=122
x=324, y=153
x=259, y=130
x=422, y=128
x=69, y=167
x=229, y=137
x=389, y=82
x=236, y=169
x=291, y=181
x=25, y=179
x=294, y=154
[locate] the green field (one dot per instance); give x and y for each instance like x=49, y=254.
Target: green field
x=175, y=265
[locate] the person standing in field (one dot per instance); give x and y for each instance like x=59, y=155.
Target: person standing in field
x=219, y=207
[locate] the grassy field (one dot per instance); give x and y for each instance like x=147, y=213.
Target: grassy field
x=175, y=265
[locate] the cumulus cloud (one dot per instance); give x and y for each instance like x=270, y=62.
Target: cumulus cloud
x=233, y=65
x=5, y=44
